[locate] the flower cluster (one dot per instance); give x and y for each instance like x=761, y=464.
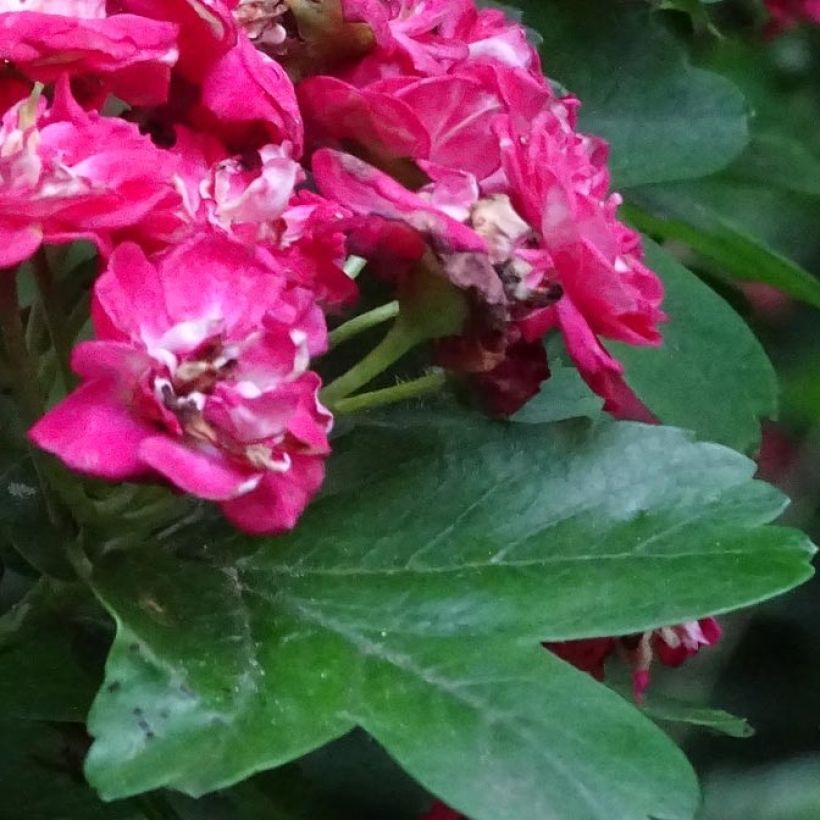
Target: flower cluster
x=455, y=155
x=227, y=156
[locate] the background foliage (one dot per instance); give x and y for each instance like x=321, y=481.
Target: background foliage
x=289, y=646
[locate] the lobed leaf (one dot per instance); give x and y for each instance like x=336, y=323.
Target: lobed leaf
x=411, y=601
x=664, y=119
x=711, y=375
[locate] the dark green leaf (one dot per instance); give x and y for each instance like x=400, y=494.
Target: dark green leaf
x=671, y=214
x=25, y=522
x=787, y=791
x=664, y=119
x=711, y=375
x=778, y=160
x=41, y=775
x=715, y=720
x=564, y=395
x=51, y=653
x=401, y=605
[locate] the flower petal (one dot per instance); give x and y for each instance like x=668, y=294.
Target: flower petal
x=94, y=431
x=208, y=475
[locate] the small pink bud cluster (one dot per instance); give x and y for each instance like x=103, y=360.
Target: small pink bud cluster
x=671, y=645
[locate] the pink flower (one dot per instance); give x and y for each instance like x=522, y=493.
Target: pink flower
x=222, y=84
x=511, y=184
x=253, y=198
x=457, y=134
x=788, y=13
x=675, y=644
x=559, y=184
x=127, y=55
x=245, y=196
x=248, y=99
x=13, y=88
x=441, y=811
x=69, y=174
x=447, y=120
x=672, y=645
x=431, y=37
x=589, y=655
x=199, y=375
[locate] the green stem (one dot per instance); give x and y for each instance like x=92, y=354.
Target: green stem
x=35, y=329
x=363, y=322
x=393, y=346
x=24, y=380
x=154, y=806
x=54, y=316
x=354, y=266
x=389, y=395
x=23, y=372
x=78, y=559
x=27, y=389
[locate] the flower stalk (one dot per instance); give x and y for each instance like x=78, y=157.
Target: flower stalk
x=54, y=316
x=359, y=324
x=416, y=388
x=399, y=340
x=25, y=383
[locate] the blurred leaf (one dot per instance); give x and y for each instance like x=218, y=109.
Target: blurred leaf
x=50, y=654
x=564, y=395
x=41, y=775
x=357, y=778
x=801, y=392
x=694, y=8
x=25, y=522
x=403, y=604
x=665, y=120
x=788, y=791
x=281, y=794
x=778, y=160
x=714, y=237
x=711, y=375
x=715, y=720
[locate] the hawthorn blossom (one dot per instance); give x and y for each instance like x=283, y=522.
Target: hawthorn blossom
x=430, y=37
x=69, y=174
x=441, y=811
x=199, y=375
x=257, y=199
x=221, y=84
x=125, y=54
x=471, y=149
x=672, y=645
x=787, y=13
x=536, y=238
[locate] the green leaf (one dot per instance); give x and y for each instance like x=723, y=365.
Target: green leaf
x=476, y=722
x=564, y=395
x=778, y=160
x=41, y=775
x=25, y=523
x=670, y=214
x=711, y=375
x=786, y=791
x=694, y=8
x=51, y=652
x=715, y=720
x=664, y=119
x=411, y=604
